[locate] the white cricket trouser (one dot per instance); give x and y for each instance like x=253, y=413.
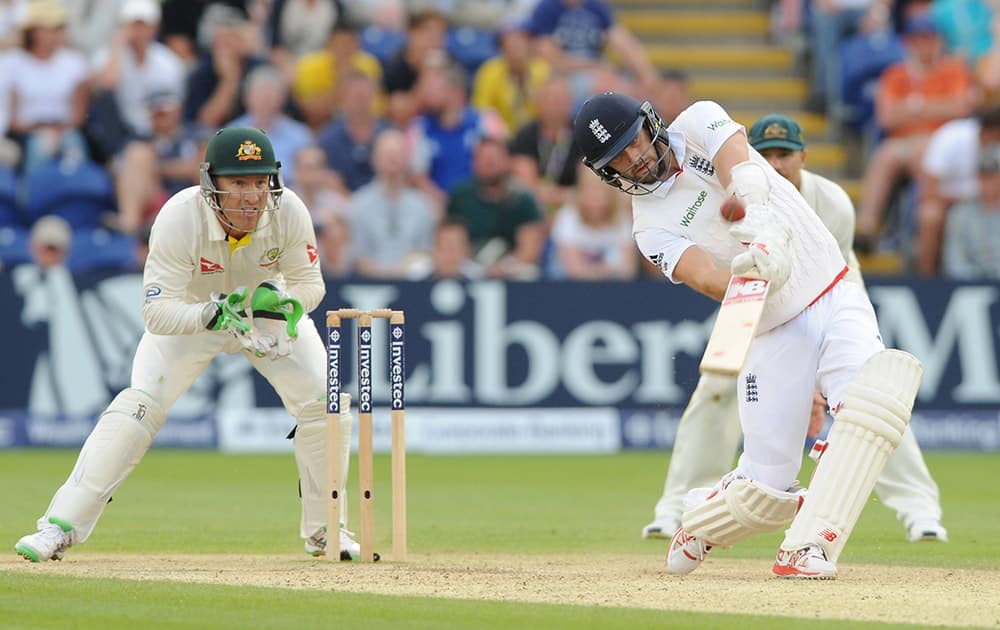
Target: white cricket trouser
x=707, y=439
x=821, y=348
x=165, y=366
x=709, y=435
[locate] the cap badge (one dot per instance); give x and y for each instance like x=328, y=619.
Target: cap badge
x=600, y=132
x=248, y=151
x=776, y=130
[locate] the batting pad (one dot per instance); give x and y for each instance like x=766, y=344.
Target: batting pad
x=740, y=510
x=113, y=449
x=866, y=430
x=310, y=458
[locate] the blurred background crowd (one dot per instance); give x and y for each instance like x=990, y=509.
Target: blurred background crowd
x=432, y=139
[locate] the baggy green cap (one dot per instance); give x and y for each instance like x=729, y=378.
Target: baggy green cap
x=776, y=131
x=240, y=151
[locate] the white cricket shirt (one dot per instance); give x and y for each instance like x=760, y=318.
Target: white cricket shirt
x=190, y=257
x=684, y=211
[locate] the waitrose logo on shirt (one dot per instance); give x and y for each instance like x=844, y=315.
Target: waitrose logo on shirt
x=692, y=210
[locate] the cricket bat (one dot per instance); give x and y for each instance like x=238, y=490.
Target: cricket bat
x=735, y=326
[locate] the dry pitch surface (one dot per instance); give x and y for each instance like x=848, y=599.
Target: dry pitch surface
x=935, y=596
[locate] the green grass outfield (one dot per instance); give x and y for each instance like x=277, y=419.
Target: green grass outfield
x=184, y=502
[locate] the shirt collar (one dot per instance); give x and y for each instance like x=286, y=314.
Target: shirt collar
x=675, y=141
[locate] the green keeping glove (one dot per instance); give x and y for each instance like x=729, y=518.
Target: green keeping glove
x=227, y=311
x=270, y=302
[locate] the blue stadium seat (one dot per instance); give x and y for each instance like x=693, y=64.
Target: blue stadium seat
x=471, y=47
x=381, y=44
x=79, y=193
x=13, y=247
x=863, y=58
x=96, y=249
x=10, y=212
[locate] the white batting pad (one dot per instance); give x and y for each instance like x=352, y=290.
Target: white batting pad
x=310, y=457
x=866, y=430
x=346, y=426
x=740, y=510
x=117, y=444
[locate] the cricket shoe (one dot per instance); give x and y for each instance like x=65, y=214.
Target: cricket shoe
x=807, y=563
x=349, y=548
x=926, y=530
x=661, y=527
x=48, y=543
x=685, y=553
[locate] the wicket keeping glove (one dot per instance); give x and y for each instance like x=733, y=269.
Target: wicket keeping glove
x=766, y=255
x=227, y=311
x=276, y=318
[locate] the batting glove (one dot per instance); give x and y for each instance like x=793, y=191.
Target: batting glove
x=275, y=318
x=227, y=311
x=765, y=256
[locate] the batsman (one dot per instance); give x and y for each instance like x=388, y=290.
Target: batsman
x=232, y=268
x=816, y=331
x=709, y=432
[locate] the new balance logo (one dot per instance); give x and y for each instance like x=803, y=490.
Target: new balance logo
x=701, y=165
x=751, y=382
x=600, y=132
x=828, y=535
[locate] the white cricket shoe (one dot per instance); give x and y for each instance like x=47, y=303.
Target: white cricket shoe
x=685, y=553
x=48, y=543
x=807, y=562
x=349, y=548
x=661, y=527
x=926, y=530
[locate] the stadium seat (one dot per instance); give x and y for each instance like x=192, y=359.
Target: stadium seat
x=13, y=247
x=863, y=58
x=10, y=212
x=97, y=249
x=381, y=44
x=471, y=47
x=79, y=193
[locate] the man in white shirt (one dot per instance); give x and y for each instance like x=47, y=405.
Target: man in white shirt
x=709, y=433
x=136, y=66
x=948, y=176
x=232, y=267
x=679, y=178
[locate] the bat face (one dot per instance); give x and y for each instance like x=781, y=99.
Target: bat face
x=735, y=326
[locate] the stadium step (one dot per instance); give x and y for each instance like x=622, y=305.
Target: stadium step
x=750, y=58
x=721, y=5
x=781, y=93
x=814, y=126
x=701, y=24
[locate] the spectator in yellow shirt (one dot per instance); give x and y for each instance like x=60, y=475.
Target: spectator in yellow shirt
x=509, y=83
x=317, y=89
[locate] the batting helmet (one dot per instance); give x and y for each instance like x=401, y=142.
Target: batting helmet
x=606, y=124
x=236, y=151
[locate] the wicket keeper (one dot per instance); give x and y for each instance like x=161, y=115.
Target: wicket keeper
x=232, y=267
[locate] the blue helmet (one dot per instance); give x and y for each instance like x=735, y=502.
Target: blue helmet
x=606, y=124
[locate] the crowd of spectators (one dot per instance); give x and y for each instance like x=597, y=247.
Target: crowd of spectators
x=918, y=84
x=428, y=139
x=413, y=126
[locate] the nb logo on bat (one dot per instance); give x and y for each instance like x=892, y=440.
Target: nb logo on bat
x=746, y=290
x=749, y=288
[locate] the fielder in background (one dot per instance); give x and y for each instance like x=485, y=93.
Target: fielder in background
x=232, y=267
x=709, y=432
x=816, y=332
